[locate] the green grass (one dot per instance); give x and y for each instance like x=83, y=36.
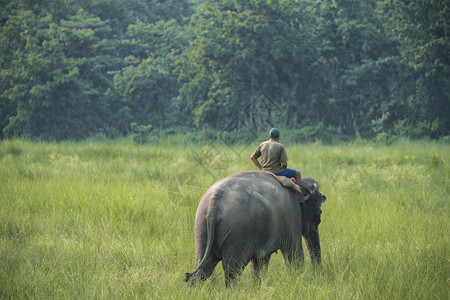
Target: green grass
x=113, y=220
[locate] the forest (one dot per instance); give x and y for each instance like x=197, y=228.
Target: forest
x=324, y=69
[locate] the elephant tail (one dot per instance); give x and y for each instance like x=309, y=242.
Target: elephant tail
x=207, y=259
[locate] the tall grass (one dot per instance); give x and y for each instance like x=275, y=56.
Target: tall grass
x=116, y=220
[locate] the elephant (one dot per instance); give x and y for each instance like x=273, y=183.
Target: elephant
x=248, y=216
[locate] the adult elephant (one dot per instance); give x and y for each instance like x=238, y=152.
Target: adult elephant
x=248, y=216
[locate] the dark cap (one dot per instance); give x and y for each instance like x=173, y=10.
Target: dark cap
x=274, y=132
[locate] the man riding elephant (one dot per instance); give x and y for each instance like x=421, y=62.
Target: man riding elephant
x=274, y=159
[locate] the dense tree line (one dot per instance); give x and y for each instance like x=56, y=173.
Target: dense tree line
x=73, y=69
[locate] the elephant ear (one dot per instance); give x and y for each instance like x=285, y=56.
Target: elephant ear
x=322, y=198
x=315, y=194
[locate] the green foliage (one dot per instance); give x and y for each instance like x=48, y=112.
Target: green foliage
x=116, y=220
x=241, y=54
x=421, y=28
x=75, y=69
x=147, y=85
x=140, y=133
x=56, y=81
x=382, y=138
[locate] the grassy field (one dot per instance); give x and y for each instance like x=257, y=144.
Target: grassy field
x=113, y=220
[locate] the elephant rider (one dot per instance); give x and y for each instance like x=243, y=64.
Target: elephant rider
x=274, y=159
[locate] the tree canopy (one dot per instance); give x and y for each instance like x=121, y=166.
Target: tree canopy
x=342, y=68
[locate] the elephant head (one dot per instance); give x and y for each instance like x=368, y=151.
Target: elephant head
x=311, y=212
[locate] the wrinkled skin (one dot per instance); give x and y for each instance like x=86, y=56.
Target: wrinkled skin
x=248, y=216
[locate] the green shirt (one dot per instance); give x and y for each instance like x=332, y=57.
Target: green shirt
x=272, y=155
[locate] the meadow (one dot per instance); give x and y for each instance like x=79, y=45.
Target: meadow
x=115, y=220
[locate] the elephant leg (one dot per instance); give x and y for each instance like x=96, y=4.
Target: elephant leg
x=236, y=254
x=258, y=264
x=209, y=268
x=293, y=252
x=233, y=267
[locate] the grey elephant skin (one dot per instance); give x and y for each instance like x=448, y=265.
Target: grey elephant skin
x=248, y=216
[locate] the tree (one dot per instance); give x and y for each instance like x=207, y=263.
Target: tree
x=70, y=69
x=59, y=58
x=244, y=59
x=422, y=30
x=147, y=86
x=58, y=76
x=354, y=63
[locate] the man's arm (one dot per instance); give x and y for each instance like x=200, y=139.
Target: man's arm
x=256, y=162
x=283, y=158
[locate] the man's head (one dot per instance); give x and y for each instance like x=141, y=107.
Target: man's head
x=274, y=133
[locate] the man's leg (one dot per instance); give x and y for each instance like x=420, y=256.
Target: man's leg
x=298, y=181
x=297, y=176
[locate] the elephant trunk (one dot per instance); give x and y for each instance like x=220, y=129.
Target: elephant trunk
x=313, y=244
